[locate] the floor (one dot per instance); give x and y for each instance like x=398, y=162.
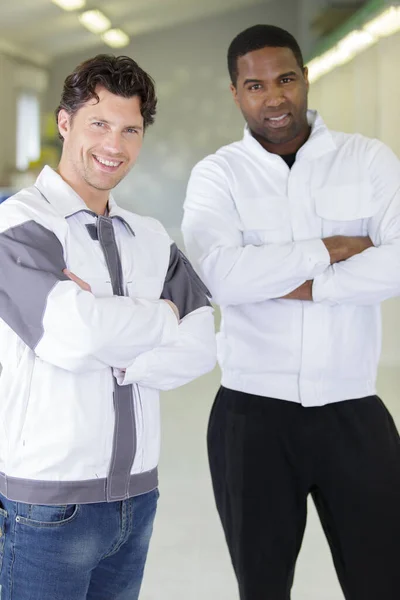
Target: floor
x=188, y=559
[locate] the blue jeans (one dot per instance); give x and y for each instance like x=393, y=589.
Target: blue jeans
x=75, y=552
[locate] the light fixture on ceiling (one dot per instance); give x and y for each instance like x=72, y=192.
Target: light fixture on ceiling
x=95, y=21
x=116, y=38
x=351, y=45
x=70, y=4
x=356, y=42
x=325, y=63
x=387, y=23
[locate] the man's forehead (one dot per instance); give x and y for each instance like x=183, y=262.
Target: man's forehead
x=267, y=61
x=102, y=94
x=105, y=99
x=117, y=110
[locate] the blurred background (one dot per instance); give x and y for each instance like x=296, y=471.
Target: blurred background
x=352, y=48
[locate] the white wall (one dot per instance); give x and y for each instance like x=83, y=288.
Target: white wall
x=308, y=11
x=15, y=76
x=364, y=96
x=8, y=121
x=196, y=114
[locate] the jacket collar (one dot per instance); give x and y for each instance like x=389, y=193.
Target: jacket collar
x=65, y=200
x=320, y=141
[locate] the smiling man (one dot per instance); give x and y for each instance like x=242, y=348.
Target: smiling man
x=296, y=232
x=101, y=141
x=98, y=311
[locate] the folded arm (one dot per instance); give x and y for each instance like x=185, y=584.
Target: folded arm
x=373, y=274
x=193, y=352
x=62, y=323
x=236, y=273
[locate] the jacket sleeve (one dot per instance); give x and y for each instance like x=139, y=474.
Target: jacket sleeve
x=193, y=353
x=374, y=275
x=236, y=273
x=64, y=325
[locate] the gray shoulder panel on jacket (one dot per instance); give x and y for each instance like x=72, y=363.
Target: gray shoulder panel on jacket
x=182, y=284
x=31, y=264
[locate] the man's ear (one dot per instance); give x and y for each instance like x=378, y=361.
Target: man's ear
x=234, y=94
x=64, y=123
x=305, y=73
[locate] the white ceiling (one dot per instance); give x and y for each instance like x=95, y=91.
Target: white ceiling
x=39, y=30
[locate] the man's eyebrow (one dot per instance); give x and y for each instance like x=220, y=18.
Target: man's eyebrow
x=246, y=81
x=282, y=76
x=289, y=74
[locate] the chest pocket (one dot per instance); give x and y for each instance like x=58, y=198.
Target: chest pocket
x=270, y=224
x=345, y=209
x=95, y=274
x=86, y=260
x=148, y=288
x=99, y=280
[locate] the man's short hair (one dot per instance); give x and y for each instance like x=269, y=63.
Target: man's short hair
x=256, y=38
x=120, y=75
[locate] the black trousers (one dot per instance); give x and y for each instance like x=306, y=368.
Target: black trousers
x=267, y=455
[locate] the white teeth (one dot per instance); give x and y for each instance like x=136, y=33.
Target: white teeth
x=107, y=163
x=277, y=118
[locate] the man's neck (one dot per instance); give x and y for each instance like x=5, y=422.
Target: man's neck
x=290, y=147
x=95, y=200
x=98, y=206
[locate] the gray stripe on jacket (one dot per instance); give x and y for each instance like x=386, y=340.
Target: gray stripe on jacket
x=182, y=284
x=31, y=264
x=125, y=438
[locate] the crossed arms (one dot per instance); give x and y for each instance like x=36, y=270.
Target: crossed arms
x=335, y=270
x=340, y=248
x=68, y=327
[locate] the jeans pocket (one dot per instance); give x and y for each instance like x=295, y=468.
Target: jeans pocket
x=39, y=515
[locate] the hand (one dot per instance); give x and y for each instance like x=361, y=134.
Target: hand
x=82, y=284
x=174, y=308
x=342, y=247
x=303, y=292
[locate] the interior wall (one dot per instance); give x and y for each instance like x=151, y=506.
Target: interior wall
x=15, y=76
x=7, y=123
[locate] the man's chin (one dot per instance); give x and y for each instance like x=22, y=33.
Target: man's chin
x=104, y=186
x=281, y=137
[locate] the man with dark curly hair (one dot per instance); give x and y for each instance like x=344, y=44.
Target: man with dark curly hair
x=99, y=310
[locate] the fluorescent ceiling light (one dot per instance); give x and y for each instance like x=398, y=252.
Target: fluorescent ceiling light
x=70, y=4
x=115, y=38
x=327, y=62
x=356, y=42
x=95, y=21
x=386, y=24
